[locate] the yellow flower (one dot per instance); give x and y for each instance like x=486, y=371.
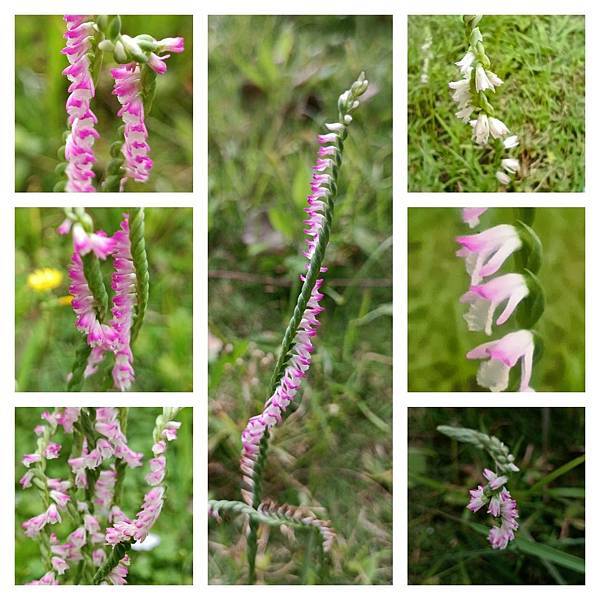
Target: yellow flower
x=65, y=300
x=43, y=280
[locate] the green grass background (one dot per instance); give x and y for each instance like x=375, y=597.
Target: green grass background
x=438, y=338
x=273, y=82
x=46, y=338
x=542, y=62
x=41, y=93
x=170, y=563
x=447, y=544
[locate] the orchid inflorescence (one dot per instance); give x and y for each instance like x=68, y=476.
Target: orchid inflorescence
x=295, y=354
x=520, y=292
x=130, y=286
x=471, y=94
x=493, y=494
x=95, y=552
x=141, y=59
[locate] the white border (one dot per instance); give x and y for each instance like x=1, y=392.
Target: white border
x=401, y=200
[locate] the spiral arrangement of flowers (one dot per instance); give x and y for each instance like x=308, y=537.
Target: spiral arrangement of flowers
x=519, y=292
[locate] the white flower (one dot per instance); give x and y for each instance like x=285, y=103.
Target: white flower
x=494, y=79
x=465, y=114
x=484, y=299
x=462, y=92
x=497, y=128
x=464, y=64
x=482, y=82
x=510, y=165
x=511, y=142
x=481, y=129
x=503, y=178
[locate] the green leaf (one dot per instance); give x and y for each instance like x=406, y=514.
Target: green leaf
x=532, y=249
x=532, y=306
x=562, y=470
x=539, y=550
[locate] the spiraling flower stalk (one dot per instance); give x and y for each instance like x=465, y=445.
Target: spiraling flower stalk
x=519, y=292
x=89, y=502
x=130, y=286
x=472, y=95
x=493, y=494
x=141, y=59
x=296, y=348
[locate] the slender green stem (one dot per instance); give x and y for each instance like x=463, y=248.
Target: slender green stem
x=117, y=553
x=140, y=263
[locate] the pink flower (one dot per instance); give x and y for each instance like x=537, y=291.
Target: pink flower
x=29, y=459
x=59, y=565
x=124, y=300
x=503, y=354
x=60, y=498
x=494, y=481
x=52, y=514
x=98, y=243
x=157, y=63
x=135, y=149
x=105, y=489
x=485, y=252
x=170, y=430
x=175, y=44
x=67, y=418
x=79, y=145
x=25, y=481
x=470, y=216
x=48, y=579
x=157, y=470
x=478, y=499
x=33, y=526
x=118, y=576
x=151, y=509
x=98, y=557
x=52, y=450
x=485, y=298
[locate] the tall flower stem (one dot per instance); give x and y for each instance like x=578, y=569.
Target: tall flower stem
x=117, y=553
x=346, y=103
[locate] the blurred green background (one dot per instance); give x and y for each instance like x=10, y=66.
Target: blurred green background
x=41, y=93
x=447, y=544
x=170, y=563
x=438, y=338
x=542, y=62
x=273, y=82
x=46, y=338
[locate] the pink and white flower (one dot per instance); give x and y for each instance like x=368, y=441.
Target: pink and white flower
x=80, y=141
x=483, y=299
x=470, y=216
x=502, y=355
x=135, y=148
x=485, y=252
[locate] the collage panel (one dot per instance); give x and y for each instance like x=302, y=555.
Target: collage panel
x=103, y=103
x=300, y=300
x=496, y=103
x=497, y=300
x=496, y=496
x=103, y=496
x=103, y=299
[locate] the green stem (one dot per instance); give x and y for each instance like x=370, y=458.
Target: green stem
x=117, y=553
x=120, y=465
x=140, y=263
x=95, y=281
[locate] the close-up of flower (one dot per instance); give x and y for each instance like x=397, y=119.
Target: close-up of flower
x=122, y=86
x=486, y=302
x=485, y=509
x=88, y=498
x=97, y=319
